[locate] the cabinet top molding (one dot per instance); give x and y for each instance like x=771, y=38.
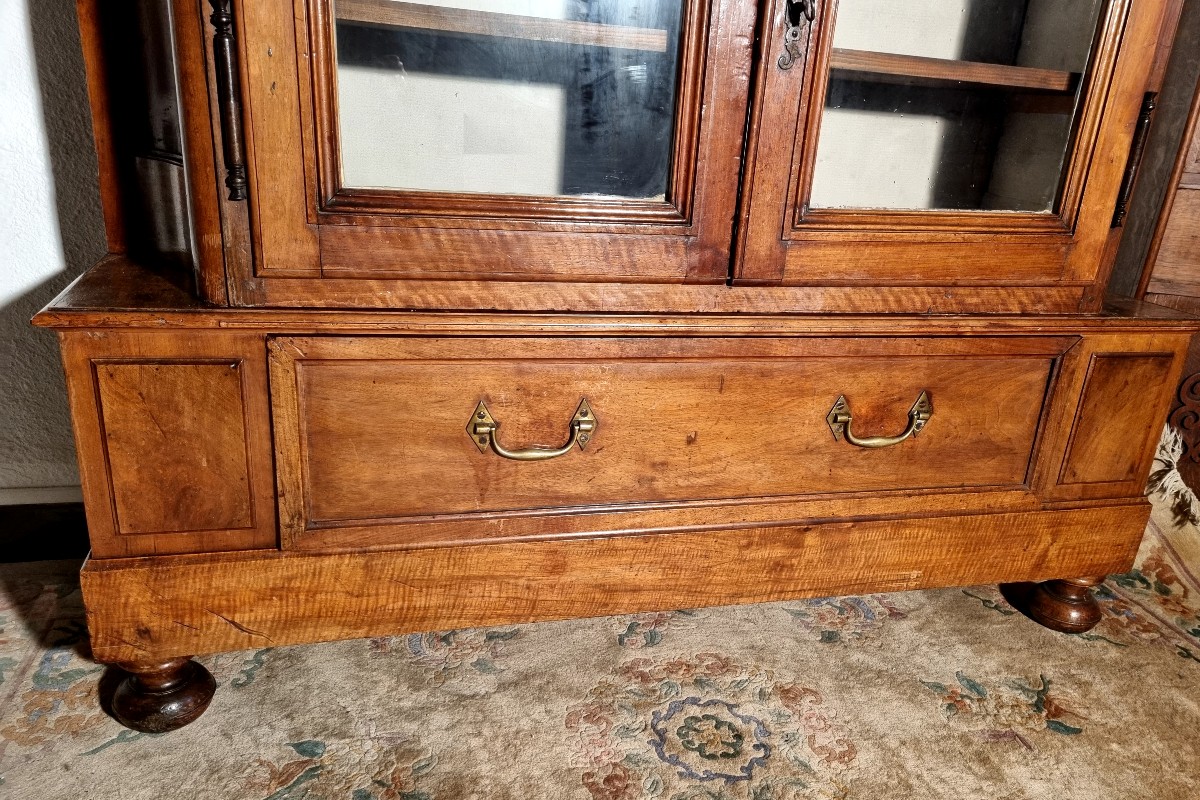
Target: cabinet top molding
x=120, y=293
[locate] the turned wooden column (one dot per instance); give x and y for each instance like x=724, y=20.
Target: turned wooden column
x=1065, y=605
x=162, y=696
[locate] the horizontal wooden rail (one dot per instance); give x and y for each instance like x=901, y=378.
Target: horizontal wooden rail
x=949, y=70
x=391, y=13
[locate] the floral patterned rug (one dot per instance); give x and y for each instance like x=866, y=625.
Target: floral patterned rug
x=936, y=694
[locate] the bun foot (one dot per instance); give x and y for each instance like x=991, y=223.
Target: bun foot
x=1064, y=605
x=162, y=696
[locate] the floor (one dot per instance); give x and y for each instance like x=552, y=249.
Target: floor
x=936, y=694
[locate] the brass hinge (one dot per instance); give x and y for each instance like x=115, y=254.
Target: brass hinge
x=1137, y=148
x=229, y=98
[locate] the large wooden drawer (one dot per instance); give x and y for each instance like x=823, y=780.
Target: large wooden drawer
x=372, y=432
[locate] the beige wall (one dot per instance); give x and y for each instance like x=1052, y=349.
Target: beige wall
x=51, y=229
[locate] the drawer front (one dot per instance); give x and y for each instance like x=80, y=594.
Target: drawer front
x=374, y=429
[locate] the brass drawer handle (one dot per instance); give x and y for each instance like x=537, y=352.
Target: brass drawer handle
x=839, y=420
x=483, y=427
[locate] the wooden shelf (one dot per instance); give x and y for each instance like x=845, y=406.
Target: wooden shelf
x=393, y=14
x=944, y=70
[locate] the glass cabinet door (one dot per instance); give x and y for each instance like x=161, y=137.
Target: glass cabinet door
x=559, y=141
x=508, y=97
x=955, y=104
x=947, y=142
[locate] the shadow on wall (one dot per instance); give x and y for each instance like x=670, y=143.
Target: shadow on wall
x=36, y=448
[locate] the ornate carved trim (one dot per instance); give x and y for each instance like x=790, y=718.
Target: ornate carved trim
x=1185, y=417
x=229, y=98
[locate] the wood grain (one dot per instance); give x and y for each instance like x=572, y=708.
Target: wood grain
x=948, y=70
x=156, y=608
x=173, y=444
x=636, y=519
x=1178, y=258
x=392, y=13
x=1166, y=41
x=1119, y=433
x=104, y=125
x=375, y=429
x=1093, y=255
x=645, y=297
x=984, y=259
x=175, y=439
x=480, y=254
x=1111, y=430
x=124, y=294
x=220, y=229
x=270, y=57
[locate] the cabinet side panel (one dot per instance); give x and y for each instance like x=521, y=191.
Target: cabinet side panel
x=104, y=125
x=174, y=441
x=1177, y=268
x=175, y=436
x=1115, y=424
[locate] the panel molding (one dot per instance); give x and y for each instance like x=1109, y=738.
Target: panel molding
x=105, y=480
x=141, y=461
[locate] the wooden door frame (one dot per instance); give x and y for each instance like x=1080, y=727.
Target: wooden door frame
x=781, y=244
x=301, y=241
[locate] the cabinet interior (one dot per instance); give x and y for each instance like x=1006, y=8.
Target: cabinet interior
x=516, y=97
x=955, y=104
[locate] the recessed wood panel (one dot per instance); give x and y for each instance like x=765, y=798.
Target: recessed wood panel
x=175, y=437
x=376, y=429
x=1178, y=260
x=173, y=434
x=1119, y=416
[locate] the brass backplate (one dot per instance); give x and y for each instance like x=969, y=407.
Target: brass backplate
x=586, y=421
x=838, y=416
x=480, y=426
x=920, y=413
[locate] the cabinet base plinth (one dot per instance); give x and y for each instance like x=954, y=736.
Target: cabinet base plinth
x=165, y=607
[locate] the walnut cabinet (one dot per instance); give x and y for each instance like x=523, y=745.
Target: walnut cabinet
x=470, y=313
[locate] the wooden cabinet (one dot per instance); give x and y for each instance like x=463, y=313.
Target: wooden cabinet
x=395, y=141
x=403, y=154
x=528, y=310
x=374, y=434
x=959, y=145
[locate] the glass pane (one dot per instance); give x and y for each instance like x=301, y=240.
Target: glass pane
x=526, y=97
x=952, y=104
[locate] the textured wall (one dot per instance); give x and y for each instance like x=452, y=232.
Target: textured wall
x=51, y=229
